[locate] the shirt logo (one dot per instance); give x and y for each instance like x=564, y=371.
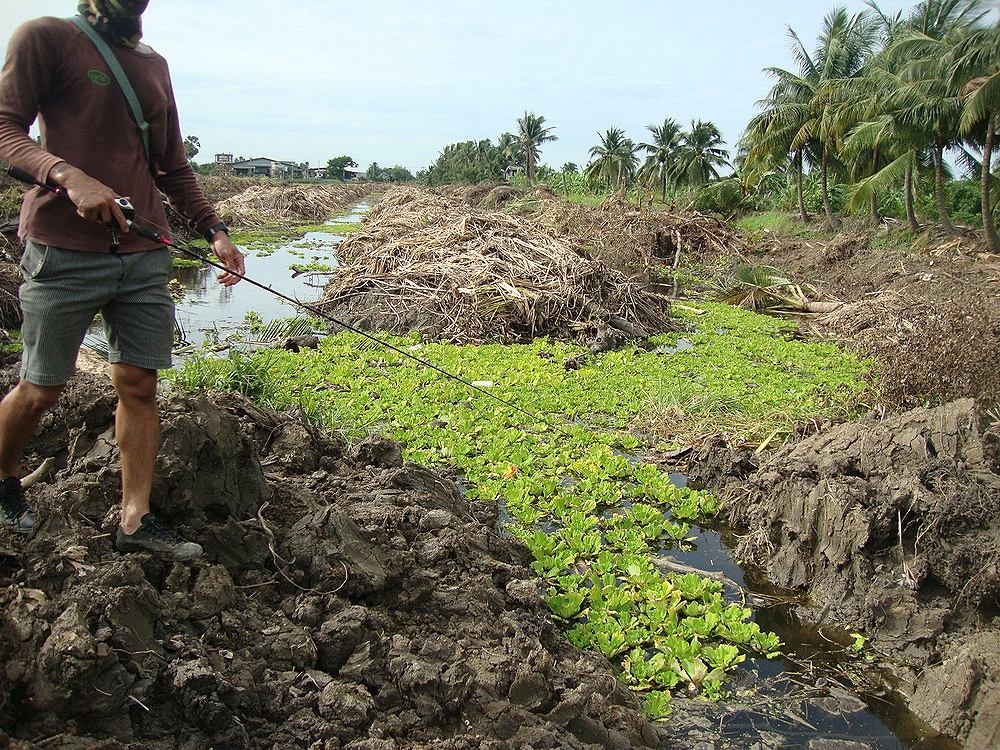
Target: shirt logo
x=98, y=77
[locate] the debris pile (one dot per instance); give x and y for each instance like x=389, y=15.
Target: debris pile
x=346, y=600
x=264, y=205
x=430, y=263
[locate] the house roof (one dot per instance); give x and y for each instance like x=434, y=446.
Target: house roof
x=358, y=170
x=260, y=161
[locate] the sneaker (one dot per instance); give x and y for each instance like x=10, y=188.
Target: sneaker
x=15, y=511
x=161, y=541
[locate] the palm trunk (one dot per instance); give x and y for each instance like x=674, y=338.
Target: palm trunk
x=832, y=222
x=663, y=183
x=992, y=238
x=911, y=216
x=798, y=185
x=874, y=207
x=529, y=166
x=939, y=197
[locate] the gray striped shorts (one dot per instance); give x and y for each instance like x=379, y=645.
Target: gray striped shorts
x=64, y=289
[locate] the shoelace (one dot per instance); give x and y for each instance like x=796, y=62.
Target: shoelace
x=163, y=534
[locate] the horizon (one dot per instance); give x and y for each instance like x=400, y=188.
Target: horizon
x=439, y=74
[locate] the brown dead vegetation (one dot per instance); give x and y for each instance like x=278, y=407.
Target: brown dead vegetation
x=434, y=264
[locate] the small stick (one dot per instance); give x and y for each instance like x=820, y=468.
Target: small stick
x=40, y=473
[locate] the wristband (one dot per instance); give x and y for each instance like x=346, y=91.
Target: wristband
x=209, y=233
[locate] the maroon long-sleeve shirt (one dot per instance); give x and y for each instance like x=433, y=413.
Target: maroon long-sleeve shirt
x=54, y=72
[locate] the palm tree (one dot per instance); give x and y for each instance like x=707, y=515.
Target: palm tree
x=662, y=150
x=978, y=62
x=769, y=136
x=532, y=133
x=920, y=82
x=798, y=111
x=614, y=160
x=699, y=154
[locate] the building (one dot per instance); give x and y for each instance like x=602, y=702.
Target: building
x=223, y=164
x=354, y=173
x=316, y=173
x=261, y=166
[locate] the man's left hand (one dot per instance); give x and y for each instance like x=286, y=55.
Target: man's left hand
x=230, y=256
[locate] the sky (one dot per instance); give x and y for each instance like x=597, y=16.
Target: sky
x=395, y=81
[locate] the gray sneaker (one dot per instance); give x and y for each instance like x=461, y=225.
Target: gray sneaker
x=16, y=513
x=161, y=541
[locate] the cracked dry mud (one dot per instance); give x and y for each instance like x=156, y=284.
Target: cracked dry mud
x=891, y=526
x=346, y=600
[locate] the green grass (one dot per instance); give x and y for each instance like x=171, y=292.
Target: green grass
x=896, y=239
x=756, y=226
x=14, y=344
x=593, y=514
x=343, y=229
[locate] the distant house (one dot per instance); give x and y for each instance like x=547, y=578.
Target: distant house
x=316, y=173
x=223, y=164
x=354, y=173
x=264, y=167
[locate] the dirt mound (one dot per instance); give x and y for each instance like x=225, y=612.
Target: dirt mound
x=924, y=315
x=268, y=204
x=890, y=526
x=431, y=263
x=345, y=600
x=942, y=349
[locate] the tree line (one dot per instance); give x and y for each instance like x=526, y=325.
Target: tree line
x=673, y=155
x=867, y=119
x=879, y=101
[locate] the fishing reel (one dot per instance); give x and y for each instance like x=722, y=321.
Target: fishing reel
x=127, y=208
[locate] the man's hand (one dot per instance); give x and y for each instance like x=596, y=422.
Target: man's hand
x=94, y=200
x=230, y=256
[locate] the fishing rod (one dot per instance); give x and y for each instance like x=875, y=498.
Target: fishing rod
x=160, y=237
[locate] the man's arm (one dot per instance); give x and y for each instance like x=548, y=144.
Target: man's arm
x=26, y=78
x=176, y=179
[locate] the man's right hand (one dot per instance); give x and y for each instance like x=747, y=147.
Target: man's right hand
x=94, y=200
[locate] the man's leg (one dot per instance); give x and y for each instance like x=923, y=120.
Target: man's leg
x=137, y=430
x=20, y=412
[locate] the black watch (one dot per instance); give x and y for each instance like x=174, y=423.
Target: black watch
x=209, y=233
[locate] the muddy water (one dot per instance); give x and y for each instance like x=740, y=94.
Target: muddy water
x=209, y=312
x=873, y=715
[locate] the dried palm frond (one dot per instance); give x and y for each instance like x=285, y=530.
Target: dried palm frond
x=431, y=263
x=764, y=288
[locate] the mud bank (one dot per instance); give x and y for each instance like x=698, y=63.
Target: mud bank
x=345, y=600
x=891, y=527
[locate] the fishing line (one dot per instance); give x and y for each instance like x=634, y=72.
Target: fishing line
x=151, y=234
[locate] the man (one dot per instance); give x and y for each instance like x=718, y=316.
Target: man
x=80, y=258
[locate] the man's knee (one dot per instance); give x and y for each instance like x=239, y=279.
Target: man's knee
x=36, y=399
x=134, y=385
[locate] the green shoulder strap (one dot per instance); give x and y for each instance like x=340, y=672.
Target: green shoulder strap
x=123, y=82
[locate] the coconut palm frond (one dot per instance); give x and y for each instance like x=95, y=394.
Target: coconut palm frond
x=882, y=181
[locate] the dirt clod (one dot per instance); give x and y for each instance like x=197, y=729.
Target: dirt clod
x=891, y=526
x=361, y=605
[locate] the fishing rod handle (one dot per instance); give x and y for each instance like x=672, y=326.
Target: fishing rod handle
x=21, y=176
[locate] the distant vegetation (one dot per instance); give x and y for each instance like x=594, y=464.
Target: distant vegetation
x=865, y=121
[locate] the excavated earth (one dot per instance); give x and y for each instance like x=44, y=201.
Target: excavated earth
x=890, y=526
x=346, y=600
x=927, y=318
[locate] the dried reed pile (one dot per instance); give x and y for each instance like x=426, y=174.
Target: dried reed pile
x=429, y=263
x=620, y=233
x=263, y=205
x=617, y=232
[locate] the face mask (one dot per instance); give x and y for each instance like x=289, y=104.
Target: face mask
x=118, y=20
